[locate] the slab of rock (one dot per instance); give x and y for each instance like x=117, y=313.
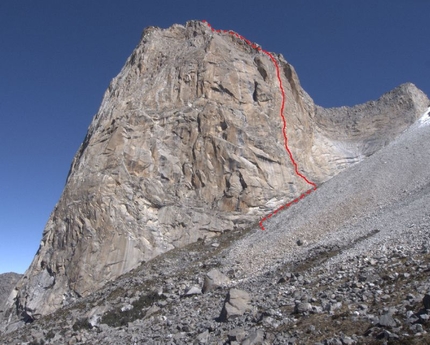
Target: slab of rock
x=194, y=290
x=94, y=320
x=256, y=337
x=213, y=279
x=152, y=310
x=236, y=304
x=387, y=320
x=302, y=307
x=236, y=334
x=203, y=337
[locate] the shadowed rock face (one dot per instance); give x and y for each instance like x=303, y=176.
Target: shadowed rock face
x=187, y=144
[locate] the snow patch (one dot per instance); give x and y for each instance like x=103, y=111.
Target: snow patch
x=425, y=119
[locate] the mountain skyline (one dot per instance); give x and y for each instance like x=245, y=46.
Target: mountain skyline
x=59, y=59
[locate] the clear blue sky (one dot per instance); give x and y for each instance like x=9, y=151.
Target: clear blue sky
x=58, y=57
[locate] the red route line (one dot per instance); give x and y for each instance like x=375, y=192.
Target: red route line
x=284, y=124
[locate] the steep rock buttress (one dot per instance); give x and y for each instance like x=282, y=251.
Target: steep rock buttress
x=187, y=144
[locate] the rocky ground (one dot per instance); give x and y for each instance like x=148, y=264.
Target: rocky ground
x=330, y=296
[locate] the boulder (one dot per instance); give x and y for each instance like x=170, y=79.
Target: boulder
x=236, y=304
x=194, y=290
x=213, y=279
x=256, y=337
x=387, y=320
x=302, y=307
x=236, y=334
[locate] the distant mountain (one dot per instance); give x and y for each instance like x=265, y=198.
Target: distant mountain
x=188, y=146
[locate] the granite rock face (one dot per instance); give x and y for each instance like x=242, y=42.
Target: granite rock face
x=188, y=144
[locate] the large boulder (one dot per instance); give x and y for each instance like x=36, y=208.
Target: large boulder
x=213, y=279
x=235, y=304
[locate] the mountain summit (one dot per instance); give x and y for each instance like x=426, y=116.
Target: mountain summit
x=188, y=144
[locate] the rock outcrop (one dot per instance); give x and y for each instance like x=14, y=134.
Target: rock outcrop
x=7, y=283
x=188, y=144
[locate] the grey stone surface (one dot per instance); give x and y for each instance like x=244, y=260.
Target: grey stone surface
x=256, y=337
x=213, y=279
x=387, y=320
x=236, y=304
x=302, y=307
x=194, y=290
x=237, y=334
